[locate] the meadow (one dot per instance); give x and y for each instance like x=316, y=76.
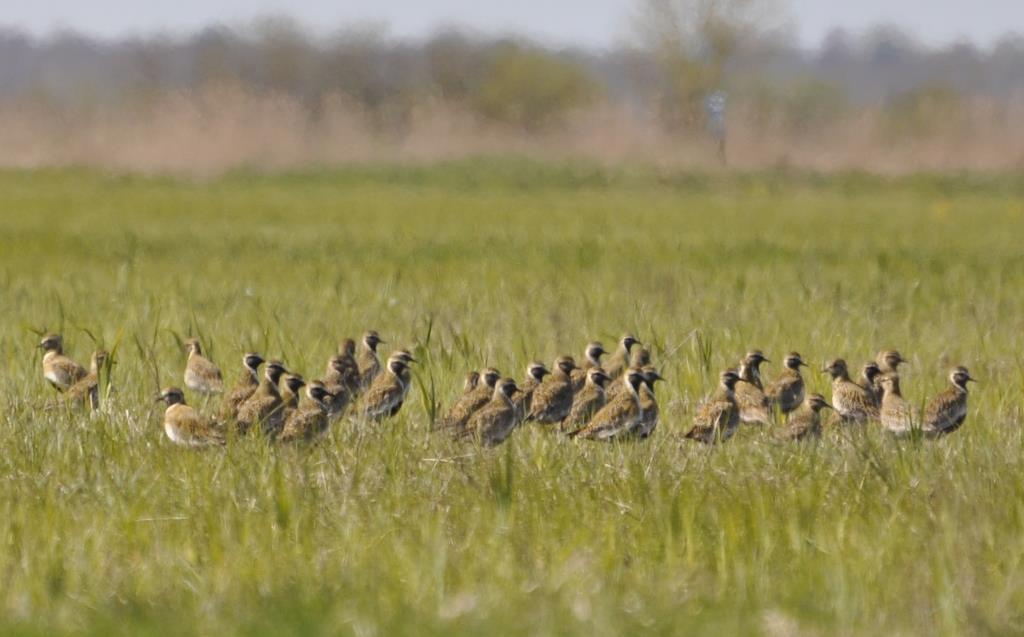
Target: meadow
x=106, y=528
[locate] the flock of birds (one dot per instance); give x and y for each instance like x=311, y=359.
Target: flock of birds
x=602, y=401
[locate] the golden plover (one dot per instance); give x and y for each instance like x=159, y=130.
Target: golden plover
x=787, y=391
x=870, y=375
x=471, y=381
x=58, y=369
x=384, y=397
x=89, y=387
x=754, y=405
x=495, y=421
x=947, y=411
x=291, y=390
x=805, y=421
x=244, y=389
x=185, y=426
x=343, y=370
x=201, y=376
x=648, y=403
x=718, y=419
x=309, y=420
x=587, y=401
x=467, y=404
x=369, y=364
x=853, y=403
x=896, y=414
x=591, y=359
x=265, y=406
x=618, y=417
x=889, y=361
x=523, y=398
x=552, y=400
x=405, y=356
x=619, y=361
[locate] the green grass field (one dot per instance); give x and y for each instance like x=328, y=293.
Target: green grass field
x=106, y=528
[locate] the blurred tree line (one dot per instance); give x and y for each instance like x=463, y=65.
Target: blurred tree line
x=682, y=50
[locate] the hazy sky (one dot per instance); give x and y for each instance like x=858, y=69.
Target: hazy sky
x=589, y=22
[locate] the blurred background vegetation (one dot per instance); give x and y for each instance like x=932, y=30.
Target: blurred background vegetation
x=272, y=93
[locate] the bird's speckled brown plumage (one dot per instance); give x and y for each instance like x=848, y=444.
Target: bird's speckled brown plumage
x=947, y=411
x=586, y=402
x=243, y=389
x=896, y=414
x=88, y=389
x=619, y=361
x=648, y=404
x=852, y=402
x=369, y=364
x=591, y=358
x=552, y=400
x=59, y=370
x=805, y=421
x=201, y=375
x=492, y=424
x=754, y=405
x=310, y=420
x=787, y=391
x=185, y=426
x=265, y=407
x=718, y=419
x=467, y=404
x=619, y=417
x=387, y=392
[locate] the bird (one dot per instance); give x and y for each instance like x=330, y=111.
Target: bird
x=552, y=399
x=342, y=370
x=472, y=379
x=754, y=405
x=89, y=387
x=787, y=391
x=587, y=401
x=852, y=402
x=805, y=421
x=620, y=359
x=406, y=356
x=523, y=398
x=310, y=420
x=718, y=419
x=459, y=413
x=185, y=426
x=648, y=403
x=640, y=358
x=58, y=369
x=947, y=411
x=870, y=374
x=384, y=397
x=896, y=414
x=201, y=375
x=619, y=417
x=494, y=422
x=265, y=406
x=246, y=386
x=291, y=388
x=889, y=361
x=591, y=358
x=369, y=364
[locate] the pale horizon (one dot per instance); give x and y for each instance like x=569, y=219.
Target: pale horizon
x=592, y=24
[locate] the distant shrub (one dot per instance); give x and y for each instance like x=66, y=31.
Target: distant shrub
x=925, y=112
x=533, y=89
x=798, y=108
